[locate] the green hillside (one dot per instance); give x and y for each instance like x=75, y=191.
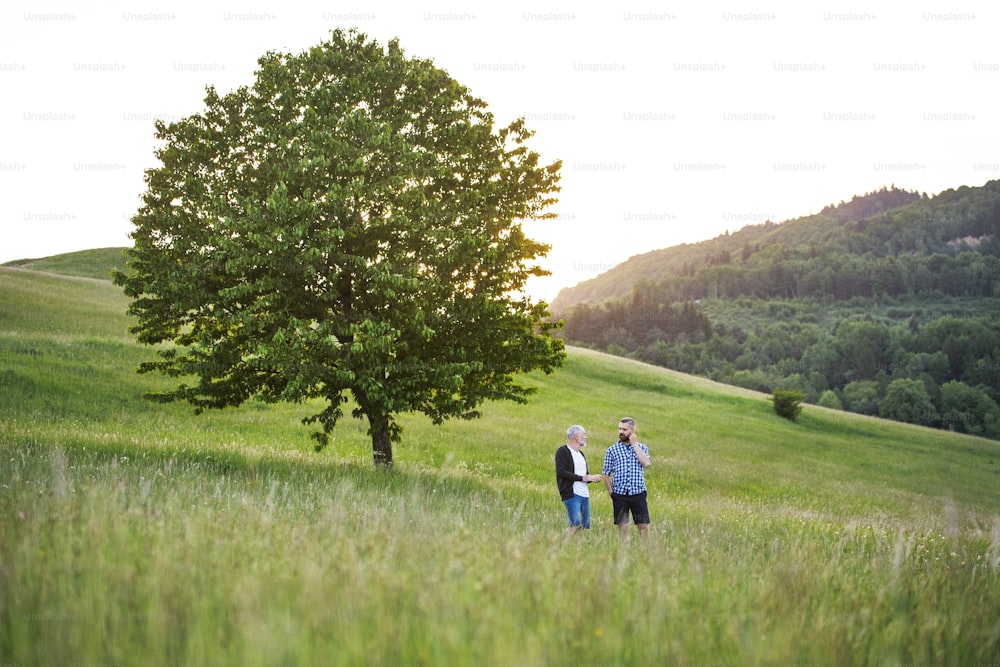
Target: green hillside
x=885, y=305
x=97, y=263
x=138, y=529
x=888, y=242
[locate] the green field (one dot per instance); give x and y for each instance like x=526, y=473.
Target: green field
x=96, y=263
x=135, y=533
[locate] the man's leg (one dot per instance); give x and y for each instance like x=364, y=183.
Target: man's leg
x=573, y=512
x=620, y=506
x=640, y=512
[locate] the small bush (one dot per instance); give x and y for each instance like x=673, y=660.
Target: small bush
x=787, y=403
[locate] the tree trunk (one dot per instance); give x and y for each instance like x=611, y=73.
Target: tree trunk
x=381, y=444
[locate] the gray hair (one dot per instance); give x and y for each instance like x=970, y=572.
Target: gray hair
x=573, y=431
x=627, y=420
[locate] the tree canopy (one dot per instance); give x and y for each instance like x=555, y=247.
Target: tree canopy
x=348, y=227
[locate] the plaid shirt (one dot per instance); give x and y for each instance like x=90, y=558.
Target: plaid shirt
x=622, y=465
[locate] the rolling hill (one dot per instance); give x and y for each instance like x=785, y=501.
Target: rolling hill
x=884, y=305
x=136, y=528
x=805, y=256
x=96, y=263
x=64, y=333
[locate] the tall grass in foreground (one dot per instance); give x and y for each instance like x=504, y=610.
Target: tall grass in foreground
x=180, y=559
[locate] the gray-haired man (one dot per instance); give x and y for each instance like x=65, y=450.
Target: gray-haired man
x=572, y=479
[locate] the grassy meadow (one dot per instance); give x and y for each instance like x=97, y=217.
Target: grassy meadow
x=134, y=533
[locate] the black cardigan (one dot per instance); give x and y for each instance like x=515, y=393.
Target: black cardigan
x=566, y=472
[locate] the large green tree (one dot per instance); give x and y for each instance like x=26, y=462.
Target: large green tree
x=906, y=400
x=969, y=410
x=348, y=227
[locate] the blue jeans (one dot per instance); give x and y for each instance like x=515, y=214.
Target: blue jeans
x=578, y=510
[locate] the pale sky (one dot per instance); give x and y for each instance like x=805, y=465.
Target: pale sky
x=674, y=122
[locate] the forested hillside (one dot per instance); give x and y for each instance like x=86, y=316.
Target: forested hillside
x=885, y=305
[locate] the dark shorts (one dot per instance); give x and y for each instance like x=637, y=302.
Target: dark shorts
x=635, y=503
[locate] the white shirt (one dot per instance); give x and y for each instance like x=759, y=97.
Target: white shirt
x=580, y=468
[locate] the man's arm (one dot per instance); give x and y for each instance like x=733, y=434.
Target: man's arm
x=643, y=457
x=564, y=465
x=607, y=470
x=607, y=483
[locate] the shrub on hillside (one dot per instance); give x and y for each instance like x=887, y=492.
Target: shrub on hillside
x=787, y=403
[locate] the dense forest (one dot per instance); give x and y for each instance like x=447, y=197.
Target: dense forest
x=884, y=305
